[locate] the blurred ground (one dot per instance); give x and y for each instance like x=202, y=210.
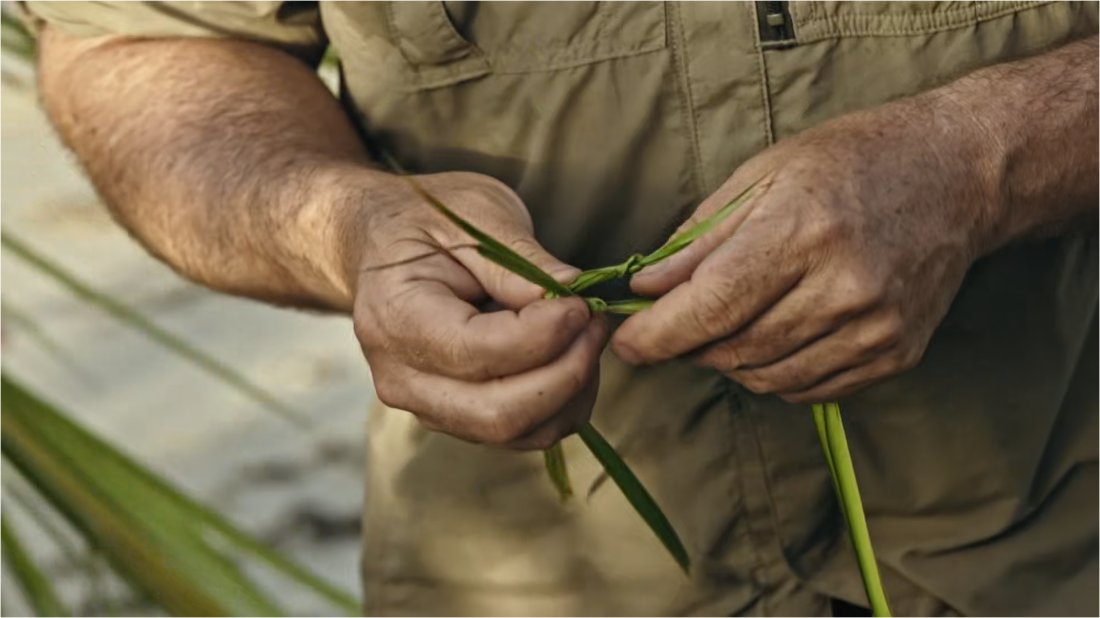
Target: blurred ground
x=300, y=489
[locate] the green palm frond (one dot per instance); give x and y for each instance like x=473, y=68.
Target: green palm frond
x=180, y=554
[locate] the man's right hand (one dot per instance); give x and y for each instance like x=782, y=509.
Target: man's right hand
x=523, y=375
x=232, y=162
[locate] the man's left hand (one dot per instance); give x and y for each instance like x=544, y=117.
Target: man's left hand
x=835, y=274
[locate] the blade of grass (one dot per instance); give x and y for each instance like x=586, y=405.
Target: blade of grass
x=494, y=250
x=138, y=475
x=156, y=553
x=680, y=241
x=29, y=326
x=835, y=446
x=674, y=245
x=636, y=494
x=559, y=475
x=16, y=39
x=35, y=507
x=34, y=584
x=133, y=319
x=168, y=519
x=616, y=468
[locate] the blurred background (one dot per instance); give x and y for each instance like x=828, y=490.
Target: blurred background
x=125, y=384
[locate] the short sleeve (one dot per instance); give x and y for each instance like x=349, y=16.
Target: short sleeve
x=292, y=26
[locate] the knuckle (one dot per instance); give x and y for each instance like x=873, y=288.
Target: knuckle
x=713, y=311
x=884, y=332
x=859, y=290
x=911, y=358
x=724, y=358
x=755, y=381
x=365, y=332
x=824, y=227
x=501, y=427
x=388, y=392
x=467, y=365
x=903, y=360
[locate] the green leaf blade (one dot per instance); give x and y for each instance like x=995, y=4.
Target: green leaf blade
x=559, y=474
x=33, y=583
x=494, y=250
x=681, y=241
x=147, y=327
x=636, y=494
x=165, y=546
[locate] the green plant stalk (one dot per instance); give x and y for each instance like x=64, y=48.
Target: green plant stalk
x=133, y=319
x=834, y=446
x=33, y=505
x=40, y=593
x=674, y=245
x=616, y=468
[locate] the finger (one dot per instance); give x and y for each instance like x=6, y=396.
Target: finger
x=429, y=328
x=800, y=318
x=501, y=410
x=737, y=282
x=566, y=422
x=854, y=344
x=661, y=277
x=507, y=287
x=853, y=380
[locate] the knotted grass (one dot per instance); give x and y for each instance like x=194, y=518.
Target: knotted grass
x=830, y=427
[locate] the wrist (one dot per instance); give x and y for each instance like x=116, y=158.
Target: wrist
x=335, y=221
x=972, y=161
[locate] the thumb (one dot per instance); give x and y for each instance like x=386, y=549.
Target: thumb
x=660, y=278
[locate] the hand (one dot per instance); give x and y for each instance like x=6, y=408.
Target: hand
x=523, y=376
x=836, y=274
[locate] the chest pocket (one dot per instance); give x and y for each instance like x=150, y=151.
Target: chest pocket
x=448, y=42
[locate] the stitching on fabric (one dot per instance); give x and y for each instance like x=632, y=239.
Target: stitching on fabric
x=683, y=86
x=767, y=121
x=487, y=68
x=872, y=25
x=737, y=419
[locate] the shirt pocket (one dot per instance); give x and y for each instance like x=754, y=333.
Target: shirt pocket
x=443, y=43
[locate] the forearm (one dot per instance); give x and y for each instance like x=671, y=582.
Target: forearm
x=1036, y=120
x=224, y=158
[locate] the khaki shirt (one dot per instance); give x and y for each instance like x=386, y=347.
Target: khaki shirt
x=612, y=121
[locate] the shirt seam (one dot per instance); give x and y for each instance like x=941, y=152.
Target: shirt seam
x=675, y=26
x=766, y=120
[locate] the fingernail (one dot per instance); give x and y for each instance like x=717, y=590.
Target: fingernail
x=565, y=274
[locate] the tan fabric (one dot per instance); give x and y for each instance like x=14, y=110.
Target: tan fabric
x=612, y=120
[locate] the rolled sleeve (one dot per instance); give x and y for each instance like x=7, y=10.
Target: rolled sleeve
x=292, y=26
